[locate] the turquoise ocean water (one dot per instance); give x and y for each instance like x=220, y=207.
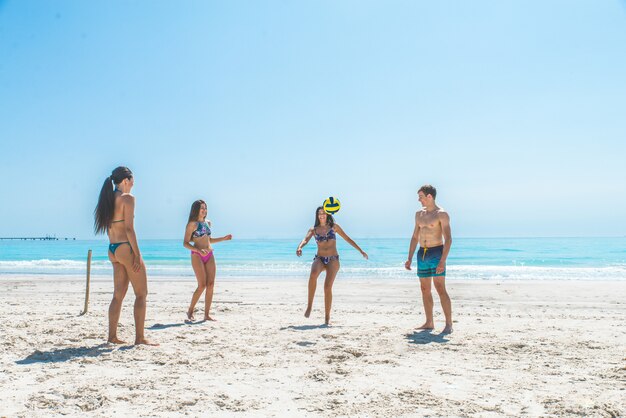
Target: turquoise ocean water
x=470, y=258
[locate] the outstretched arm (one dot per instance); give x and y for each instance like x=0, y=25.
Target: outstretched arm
x=413, y=245
x=444, y=218
x=220, y=239
x=304, y=242
x=349, y=240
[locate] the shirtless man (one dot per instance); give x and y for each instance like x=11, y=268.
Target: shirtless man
x=432, y=231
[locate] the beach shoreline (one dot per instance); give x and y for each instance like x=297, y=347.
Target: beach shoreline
x=519, y=347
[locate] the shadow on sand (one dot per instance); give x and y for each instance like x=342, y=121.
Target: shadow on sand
x=304, y=327
x=175, y=324
x=426, y=337
x=65, y=354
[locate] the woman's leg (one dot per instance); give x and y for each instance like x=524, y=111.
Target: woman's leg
x=139, y=281
x=200, y=272
x=316, y=269
x=331, y=272
x=120, y=286
x=210, y=268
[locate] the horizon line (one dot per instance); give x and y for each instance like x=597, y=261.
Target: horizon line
x=363, y=237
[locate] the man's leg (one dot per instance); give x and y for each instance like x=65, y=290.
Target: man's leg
x=427, y=299
x=446, y=304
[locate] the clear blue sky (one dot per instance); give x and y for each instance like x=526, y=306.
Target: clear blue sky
x=515, y=110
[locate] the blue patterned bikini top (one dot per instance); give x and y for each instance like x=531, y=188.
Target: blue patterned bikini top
x=202, y=230
x=326, y=237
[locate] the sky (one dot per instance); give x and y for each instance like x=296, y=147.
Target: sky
x=514, y=110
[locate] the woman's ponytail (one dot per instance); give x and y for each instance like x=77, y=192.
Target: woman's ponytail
x=103, y=214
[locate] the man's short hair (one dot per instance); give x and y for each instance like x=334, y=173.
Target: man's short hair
x=427, y=189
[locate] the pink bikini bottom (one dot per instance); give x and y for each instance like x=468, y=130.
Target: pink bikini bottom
x=204, y=258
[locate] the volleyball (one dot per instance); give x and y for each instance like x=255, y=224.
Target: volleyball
x=331, y=205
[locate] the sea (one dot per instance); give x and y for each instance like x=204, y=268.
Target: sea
x=470, y=258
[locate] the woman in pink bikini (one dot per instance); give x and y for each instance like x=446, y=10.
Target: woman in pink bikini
x=198, y=240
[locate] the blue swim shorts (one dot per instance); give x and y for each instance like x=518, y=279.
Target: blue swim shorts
x=427, y=261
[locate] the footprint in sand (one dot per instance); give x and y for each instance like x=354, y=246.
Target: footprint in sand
x=318, y=376
x=336, y=358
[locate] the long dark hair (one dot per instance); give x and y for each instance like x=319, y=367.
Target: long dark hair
x=330, y=221
x=195, y=210
x=103, y=214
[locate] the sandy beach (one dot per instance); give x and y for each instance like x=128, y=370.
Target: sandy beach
x=519, y=348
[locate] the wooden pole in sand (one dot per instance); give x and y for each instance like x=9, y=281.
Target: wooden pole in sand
x=88, y=278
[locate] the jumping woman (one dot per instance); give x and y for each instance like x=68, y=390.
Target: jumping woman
x=327, y=258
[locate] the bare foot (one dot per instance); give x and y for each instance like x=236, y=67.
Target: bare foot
x=447, y=329
x=307, y=313
x=427, y=325
x=115, y=340
x=327, y=322
x=143, y=341
x=208, y=318
x=190, y=316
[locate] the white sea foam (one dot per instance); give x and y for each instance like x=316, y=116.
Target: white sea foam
x=45, y=264
x=616, y=272
x=301, y=269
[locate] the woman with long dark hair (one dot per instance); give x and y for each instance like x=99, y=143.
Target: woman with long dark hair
x=326, y=259
x=198, y=240
x=114, y=215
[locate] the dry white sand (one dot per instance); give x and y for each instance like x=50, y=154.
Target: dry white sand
x=519, y=348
